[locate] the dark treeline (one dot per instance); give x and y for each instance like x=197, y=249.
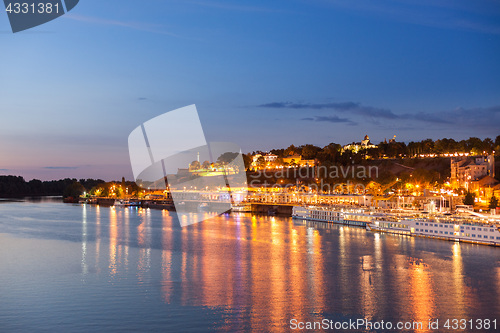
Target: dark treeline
x=15, y=186
x=332, y=153
x=442, y=146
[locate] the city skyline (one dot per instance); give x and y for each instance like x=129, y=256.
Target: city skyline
x=262, y=75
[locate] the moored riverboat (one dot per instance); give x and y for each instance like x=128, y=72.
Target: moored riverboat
x=478, y=228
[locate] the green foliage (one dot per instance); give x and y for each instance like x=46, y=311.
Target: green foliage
x=261, y=162
x=441, y=146
x=329, y=153
x=496, y=145
x=227, y=157
x=73, y=190
x=13, y=186
x=247, y=159
x=469, y=199
x=278, y=152
x=292, y=150
x=309, y=152
x=195, y=165
x=493, y=202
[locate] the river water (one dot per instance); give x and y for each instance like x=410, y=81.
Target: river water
x=81, y=268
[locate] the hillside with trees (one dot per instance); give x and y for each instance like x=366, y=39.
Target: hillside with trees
x=426, y=161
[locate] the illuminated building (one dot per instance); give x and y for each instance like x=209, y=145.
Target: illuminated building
x=355, y=147
x=465, y=170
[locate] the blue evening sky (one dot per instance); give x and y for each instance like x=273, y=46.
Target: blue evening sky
x=262, y=74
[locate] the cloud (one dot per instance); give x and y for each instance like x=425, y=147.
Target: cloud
x=142, y=98
x=355, y=108
x=330, y=119
x=60, y=168
x=489, y=110
x=126, y=24
x=343, y=106
x=290, y=105
x=477, y=118
x=486, y=118
x=275, y=105
x=425, y=117
x=231, y=6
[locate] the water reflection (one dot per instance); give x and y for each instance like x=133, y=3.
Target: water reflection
x=97, y=236
x=166, y=256
x=113, y=239
x=84, y=240
x=144, y=242
x=368, y=294
x=459, y=288
x=126, y=237
x=422, y=295
x=264, y=271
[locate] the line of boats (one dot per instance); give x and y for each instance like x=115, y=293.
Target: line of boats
x=158, y=204
x=464, y=225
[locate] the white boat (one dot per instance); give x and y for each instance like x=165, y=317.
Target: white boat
x=203, y=207
x=120, y=203
x=125, y=203
x=241, y=208
x=482, y=229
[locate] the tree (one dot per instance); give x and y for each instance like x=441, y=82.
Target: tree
x=309, y=152
x=488, y=145
x=227, y=157
x=445, y=146
x=469, y=199
x=73, y=191
x=475, y=145
x=413, y=148
x=493, y=202
x=497, y=144
x=278, y=152
x=427, y=146
x=247, y=159
x=395, y=149
x=292, y=150
x=261, y=162
x=329, y=153
x=195, y=165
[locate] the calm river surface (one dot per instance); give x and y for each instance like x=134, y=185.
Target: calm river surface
x=81, y=268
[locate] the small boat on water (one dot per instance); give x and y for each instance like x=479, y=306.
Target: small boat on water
x=203, y=207
x=241, y=208
x=125, y=203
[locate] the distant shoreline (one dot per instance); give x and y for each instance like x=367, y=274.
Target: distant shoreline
x=30, y=198
x=8, y=200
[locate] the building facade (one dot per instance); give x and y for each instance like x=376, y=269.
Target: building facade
x=355, y=147
x=465, y=170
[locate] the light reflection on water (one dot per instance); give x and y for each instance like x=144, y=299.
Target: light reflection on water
x=238, y=272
